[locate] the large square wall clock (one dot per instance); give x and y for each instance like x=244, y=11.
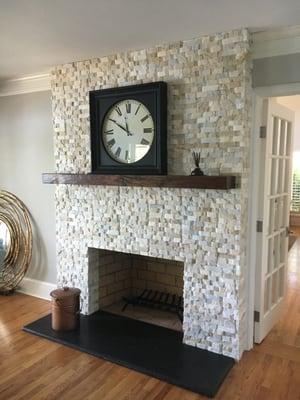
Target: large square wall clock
x=129, y=129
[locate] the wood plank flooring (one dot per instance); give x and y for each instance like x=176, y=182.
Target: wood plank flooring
x=32, y=368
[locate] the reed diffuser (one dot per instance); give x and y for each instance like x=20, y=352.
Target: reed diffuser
x=196, y=157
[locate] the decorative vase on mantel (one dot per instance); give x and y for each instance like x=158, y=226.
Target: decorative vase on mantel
x=197, y=171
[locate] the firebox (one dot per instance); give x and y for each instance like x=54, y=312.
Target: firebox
x=140, y=287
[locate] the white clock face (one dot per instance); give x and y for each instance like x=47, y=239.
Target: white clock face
x=128, y=131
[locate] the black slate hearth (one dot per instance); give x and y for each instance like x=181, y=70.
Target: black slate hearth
x=147, y=348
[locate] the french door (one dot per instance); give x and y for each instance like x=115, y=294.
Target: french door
x=273, y=209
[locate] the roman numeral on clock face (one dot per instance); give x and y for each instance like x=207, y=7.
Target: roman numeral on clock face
x=111, y=142
x=128, y=108
x=144, y=118
x=109, y=132
x=118, y=152
x=137, y=110
x=148, y=130
x=145, y=141
x=118, y=110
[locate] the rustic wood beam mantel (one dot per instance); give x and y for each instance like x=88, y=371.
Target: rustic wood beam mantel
x=163, y=181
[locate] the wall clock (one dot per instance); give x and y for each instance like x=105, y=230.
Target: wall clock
x=129, y=129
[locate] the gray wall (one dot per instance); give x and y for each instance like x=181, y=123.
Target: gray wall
x=277, y=70
x=26, y=150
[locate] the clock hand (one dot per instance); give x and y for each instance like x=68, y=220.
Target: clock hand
x=119, y=125
x=127, y=128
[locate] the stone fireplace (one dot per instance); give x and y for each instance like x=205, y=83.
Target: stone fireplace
x=183, y=225
x=202, y=231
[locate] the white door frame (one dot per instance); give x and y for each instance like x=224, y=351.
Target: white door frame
x=257, y=99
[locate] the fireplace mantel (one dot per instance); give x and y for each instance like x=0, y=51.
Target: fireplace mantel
x=163, y=181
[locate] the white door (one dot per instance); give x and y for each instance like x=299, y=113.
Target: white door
x=273, y=222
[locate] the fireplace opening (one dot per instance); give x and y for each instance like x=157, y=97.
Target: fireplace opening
x=140, y=287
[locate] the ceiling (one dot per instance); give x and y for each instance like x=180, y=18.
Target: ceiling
x=291, y=102
x=38, y=34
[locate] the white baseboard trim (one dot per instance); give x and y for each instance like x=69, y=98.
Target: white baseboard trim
x=36, y=288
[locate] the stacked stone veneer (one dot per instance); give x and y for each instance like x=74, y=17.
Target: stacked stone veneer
x=209, y=110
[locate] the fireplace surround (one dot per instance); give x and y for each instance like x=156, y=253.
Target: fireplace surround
x=209, y=83
x=184, y=225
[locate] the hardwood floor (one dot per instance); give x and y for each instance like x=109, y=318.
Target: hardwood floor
x=32, y=368
x=295, y=230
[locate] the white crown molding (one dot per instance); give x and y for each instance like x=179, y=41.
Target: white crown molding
x=26, y=84
x=36, y=288
x=277, y=42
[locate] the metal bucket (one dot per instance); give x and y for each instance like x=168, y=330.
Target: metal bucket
x=65, y=308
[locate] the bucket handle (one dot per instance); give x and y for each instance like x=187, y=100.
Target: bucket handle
x=57, y=301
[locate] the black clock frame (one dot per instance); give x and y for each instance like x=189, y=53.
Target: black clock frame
x=154, y=97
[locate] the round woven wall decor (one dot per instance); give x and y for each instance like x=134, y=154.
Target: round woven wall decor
x=15, y=241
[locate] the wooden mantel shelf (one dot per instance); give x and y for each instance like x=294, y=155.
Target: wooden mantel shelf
x=164, y=181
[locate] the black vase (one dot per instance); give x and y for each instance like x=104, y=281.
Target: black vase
x=197, y=171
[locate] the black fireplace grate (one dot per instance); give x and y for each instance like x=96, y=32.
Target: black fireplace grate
x=159, y=300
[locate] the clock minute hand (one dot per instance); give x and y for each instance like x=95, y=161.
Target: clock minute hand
x=119, y=125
